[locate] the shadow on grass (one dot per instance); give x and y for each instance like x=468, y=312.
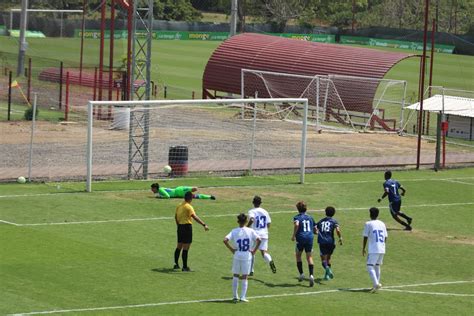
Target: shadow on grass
x=166, y=270
x=286, y=285
x=355, y=290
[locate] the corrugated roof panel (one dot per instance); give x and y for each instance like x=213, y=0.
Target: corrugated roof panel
x=277, y=54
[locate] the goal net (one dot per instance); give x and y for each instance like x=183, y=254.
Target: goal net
x=196, y=138
x=335, y=101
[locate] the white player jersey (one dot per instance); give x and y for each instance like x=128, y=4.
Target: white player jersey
x=261, y=219
x=376, y=232
x=243, y=239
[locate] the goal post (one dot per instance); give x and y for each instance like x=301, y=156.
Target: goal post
x=335, y=101
x=220, y=139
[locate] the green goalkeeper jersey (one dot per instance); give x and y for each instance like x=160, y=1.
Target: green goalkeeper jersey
x=178, y=192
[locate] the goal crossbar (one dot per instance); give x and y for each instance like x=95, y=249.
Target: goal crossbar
x=154, y=103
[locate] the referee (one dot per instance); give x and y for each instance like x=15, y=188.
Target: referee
x=184, y=221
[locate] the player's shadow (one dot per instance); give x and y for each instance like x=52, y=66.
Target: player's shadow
x=165, y=270
x=395, y=229
x=355, y=290
x=285, y=285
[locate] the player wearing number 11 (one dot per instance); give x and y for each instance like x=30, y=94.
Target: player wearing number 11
x=303, y=230
x=243, y=242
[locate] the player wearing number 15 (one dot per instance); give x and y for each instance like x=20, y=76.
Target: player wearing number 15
x=303, y=230
x=375, y=233
x=243, y=242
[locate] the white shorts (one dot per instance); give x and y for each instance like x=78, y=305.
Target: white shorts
x=241, y=266
x=263, y=244
x=375, y=259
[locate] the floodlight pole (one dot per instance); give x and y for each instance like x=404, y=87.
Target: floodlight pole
x=23, y=43
x=422, y=84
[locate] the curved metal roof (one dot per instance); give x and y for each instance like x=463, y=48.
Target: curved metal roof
x=277, y=54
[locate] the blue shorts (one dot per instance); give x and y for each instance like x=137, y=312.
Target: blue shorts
x=307, y=245
x=395, y=207
x=326, y=249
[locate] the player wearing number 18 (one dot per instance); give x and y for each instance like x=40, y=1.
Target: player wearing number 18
x=325, y=230
x=303, y=230
x=243, y=242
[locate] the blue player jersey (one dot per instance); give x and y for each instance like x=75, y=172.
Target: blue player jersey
x=305, y=227
x=391, y=187
x=326, y=228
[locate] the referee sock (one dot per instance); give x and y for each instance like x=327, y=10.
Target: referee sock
x=235, y=286
x=299, y=264
x=311, y=268
x=185, y=258
x=176, y=255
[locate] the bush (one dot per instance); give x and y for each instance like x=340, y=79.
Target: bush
x=29, y=113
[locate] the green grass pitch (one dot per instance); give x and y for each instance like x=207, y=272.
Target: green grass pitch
x=110, y=252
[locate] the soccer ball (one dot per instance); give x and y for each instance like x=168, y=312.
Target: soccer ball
x=167, y=169
x=21, y=180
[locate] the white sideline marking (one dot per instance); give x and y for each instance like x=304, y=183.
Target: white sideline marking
x=224, y=215
x=237, y=186
x=456, y=181
x=9, y=223
x=428, y=293
x=92, y=309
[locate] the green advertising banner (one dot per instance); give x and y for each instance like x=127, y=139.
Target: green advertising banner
x=163, y=35
x=394, y=44
x=320, y=38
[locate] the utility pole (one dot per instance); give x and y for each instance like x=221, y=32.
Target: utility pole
x=233, y=18
x=23, y=43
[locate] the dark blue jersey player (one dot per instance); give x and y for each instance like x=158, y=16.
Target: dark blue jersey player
x=303, y=230
x=392, y=188
x=325, y=229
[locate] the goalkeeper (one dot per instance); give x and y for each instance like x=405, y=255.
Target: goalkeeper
x=178, y=192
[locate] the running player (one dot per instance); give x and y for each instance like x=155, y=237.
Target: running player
x=260, y=220
x=325, y=230
x=391, y=188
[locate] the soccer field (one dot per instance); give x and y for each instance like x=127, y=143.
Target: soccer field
x=110, y=252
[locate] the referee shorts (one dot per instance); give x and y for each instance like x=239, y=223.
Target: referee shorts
x=185, y=233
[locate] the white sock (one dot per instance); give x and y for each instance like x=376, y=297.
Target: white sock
x=377, y=272
x=235, y=286
x=253, y=260
x=267, y=257
x=243, y=291
x=372, y=275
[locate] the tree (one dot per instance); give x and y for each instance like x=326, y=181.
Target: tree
x=279, y=12
x=175, y=10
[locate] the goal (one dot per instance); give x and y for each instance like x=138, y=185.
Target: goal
x=335, y=101
x=196, y=138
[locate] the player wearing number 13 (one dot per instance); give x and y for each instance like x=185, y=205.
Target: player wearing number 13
x=375, y=233
x=243, y=242
x=260, y=220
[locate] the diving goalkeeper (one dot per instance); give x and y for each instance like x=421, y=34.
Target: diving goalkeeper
x=178, y=192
